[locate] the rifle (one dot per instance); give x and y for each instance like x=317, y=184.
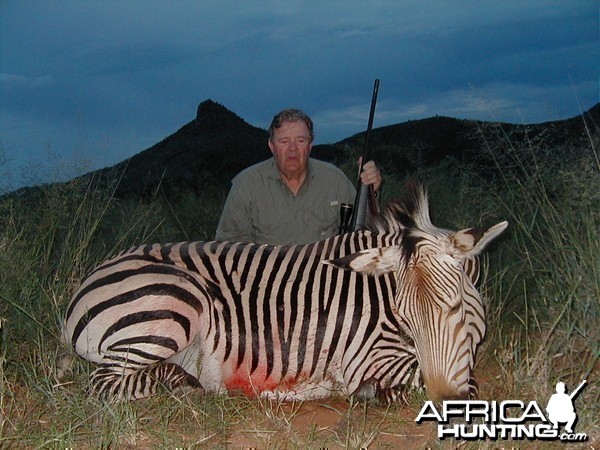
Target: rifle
x=576, y=391
x=365, y=196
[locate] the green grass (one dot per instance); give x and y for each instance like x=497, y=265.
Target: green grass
x=541, y=287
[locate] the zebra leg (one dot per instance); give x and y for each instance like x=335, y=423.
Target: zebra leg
x=118, y=383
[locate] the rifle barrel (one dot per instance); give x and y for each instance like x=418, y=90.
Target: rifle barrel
x=362, y=192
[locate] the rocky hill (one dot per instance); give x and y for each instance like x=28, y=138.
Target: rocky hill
x=205, y=154
x=408, y=146
x=202, y=155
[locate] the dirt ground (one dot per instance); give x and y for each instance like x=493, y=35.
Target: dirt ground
x=338, y=424
x=202, y=421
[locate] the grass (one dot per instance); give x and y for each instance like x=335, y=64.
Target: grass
x=541, y=286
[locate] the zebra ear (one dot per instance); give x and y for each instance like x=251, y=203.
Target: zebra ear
x=375, y=261
x=471, y=241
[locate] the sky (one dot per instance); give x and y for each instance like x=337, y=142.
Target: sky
x=87, y=84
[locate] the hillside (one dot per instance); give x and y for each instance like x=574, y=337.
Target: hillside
x=202, y=155
x=408, y=146
x=206, y=153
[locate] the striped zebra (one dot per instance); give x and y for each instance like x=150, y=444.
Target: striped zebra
x=366, y=314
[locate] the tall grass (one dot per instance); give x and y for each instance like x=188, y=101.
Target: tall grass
x=547, y=300
x=542, y=285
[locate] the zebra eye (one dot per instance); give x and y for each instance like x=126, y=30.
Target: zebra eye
x=454, y=303
x=455, y=307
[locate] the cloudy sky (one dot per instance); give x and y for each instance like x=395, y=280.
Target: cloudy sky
x=86, y=84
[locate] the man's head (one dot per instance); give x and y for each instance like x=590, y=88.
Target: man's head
x=290, y=141
x=560, y=387
x=291, y=115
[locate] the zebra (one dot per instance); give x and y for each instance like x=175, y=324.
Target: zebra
x=362, y=314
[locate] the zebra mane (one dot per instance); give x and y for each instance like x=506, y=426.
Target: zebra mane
x=408, y=213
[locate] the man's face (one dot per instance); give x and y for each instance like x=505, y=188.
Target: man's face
x=291, y=147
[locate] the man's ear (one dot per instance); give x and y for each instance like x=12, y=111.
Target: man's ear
x=271, y=145
x=376, y=261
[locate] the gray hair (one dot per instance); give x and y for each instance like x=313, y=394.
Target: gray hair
x=291, y=115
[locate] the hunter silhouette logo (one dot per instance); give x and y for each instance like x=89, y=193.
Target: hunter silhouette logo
x=507, y=419
x=560, y=406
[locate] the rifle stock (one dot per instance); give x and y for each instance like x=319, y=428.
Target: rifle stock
x=362, y=200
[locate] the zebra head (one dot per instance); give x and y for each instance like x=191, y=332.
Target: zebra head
x=436, y=301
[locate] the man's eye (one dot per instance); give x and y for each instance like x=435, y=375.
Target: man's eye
x=301, y=140
x=284, y=141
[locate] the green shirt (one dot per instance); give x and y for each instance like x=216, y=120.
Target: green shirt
x=260, y=208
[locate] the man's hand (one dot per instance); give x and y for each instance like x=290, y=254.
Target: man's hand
x=370, y=174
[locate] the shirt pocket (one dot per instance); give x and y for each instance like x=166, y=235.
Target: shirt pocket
x=327, y=219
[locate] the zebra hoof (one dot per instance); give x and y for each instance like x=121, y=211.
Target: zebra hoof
x=188, y=386
x=64, y=367
x=367, y=390
x=187, y=391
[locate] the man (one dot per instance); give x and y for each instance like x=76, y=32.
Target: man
x=290, y=198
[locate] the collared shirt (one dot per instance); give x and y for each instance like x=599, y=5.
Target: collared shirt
x=260, y=208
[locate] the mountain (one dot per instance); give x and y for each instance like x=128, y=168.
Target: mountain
x=204, y=155
x=407, y=146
